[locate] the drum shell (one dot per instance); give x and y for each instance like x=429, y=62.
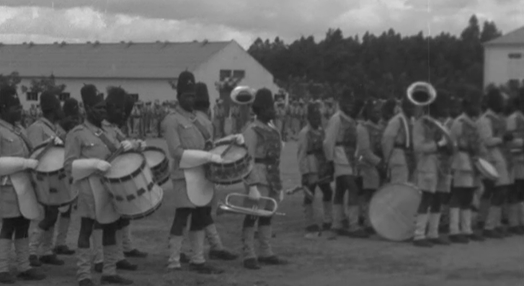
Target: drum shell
x=53, y=188
x=393, y=210
x=161, y=170
x=229, y=173
x=135, y=195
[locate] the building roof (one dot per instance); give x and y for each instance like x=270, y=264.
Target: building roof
x=515, y=37
x=106, y=60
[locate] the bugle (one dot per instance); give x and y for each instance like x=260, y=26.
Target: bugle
x=228, y=207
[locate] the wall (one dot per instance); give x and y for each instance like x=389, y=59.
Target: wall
x=234, y=57
x=499, y=68
x=146, y=89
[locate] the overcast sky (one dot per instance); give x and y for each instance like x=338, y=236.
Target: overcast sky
x=243, y=20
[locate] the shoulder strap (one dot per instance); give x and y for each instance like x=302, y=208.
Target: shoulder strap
x=24, y=138
x=100, y=134
x=202, y=129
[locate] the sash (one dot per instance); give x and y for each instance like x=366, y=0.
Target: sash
x=102, y=136
x=24, y=138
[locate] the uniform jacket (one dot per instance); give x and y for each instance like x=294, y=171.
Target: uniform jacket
x=340, y=143
x=395, y=140
x=369, y=152
x=43, y=130
x=425, y=147
x=515, y=124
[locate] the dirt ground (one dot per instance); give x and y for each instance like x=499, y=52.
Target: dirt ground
x=314, y=262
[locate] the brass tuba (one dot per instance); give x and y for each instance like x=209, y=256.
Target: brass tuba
x=421, y=93
x=243, y=95
x=228, y=207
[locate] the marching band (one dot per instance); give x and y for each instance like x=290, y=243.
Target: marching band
x=404, y=166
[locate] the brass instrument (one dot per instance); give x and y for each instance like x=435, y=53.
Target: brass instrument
x=421, y=93
x=243, y=95
x=227, y=207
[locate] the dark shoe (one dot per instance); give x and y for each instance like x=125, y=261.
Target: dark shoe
x=341, y=231
x=476, y=237
x=99, y=267
x=31, y=275
x=326, y=226
x=135, y=253
x=7, y=278
x=441, y=240
x=222, y=255
x=204, y=268
x=86, y=282
x=503, y=231
x=272, y=260
x=115, y=279
x=370, y=230
x=184, y=258
x=517, y=230
x=63, y=250
x=458, y=238
x=313, y=228
x=360, y=233
x=345, y=223
x=34, y=261
x=51, y=260
x=251, y=263
x=422, y=243
x=126, y=265
x=492, y=234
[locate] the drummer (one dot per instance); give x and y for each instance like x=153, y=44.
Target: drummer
x=264, y=145
x=340, y=147
x=42, y=130
x=315, y=169
x=465, y=178
x=188, y=139
x=14, y=151
x=117, y=102
x=371, y=164
x=71, y=119
x=492, y=131
x=87, y=146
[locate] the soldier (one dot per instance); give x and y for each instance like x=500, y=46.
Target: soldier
x=340, y=147
x=465, y=178
x=280, y=119
x=44, y=129
x=264, y=145
x=33, y=112
x=369, y=153
x=315, y=170
x=218, y=119
x=87, y=147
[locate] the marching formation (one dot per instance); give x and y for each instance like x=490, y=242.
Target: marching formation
x=398, y=168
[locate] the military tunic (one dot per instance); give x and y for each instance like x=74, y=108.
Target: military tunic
x=515, y=124
x=369, y=153
x=312, y=161
x=425, y=147
x=340, y=143
x=464, y=132
x=396, y=148
x=12, y=144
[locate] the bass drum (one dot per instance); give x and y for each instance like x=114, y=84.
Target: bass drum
x=393, y=210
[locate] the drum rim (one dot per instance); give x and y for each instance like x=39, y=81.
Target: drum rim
x=155, y=148
x=484, y=172
x=245, y=158
x=43, y=145
x=236, y=180
x=62, y=204
x=133, y=174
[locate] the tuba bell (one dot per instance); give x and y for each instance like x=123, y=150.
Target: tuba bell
x=421, y=93
x=243, y=95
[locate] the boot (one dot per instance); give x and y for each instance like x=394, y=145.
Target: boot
x=97, y=246
x=513, y=217
x=61, y=246
x=49, y=256
x=35, y=239
x=493, y=218
x=354, y=229
x=83, y=264
x=109, y=276
x=327, y=208
x=196, y=239
x=433, y=235
x=264, y=237
x=466, y=222
x=248, y=249
x=127, y=244
x=5, y=250
x=338, y=217
x=454, y=221
x=122, y=263
x=483, y=212
x=310, y=215
x=175, y=244
x=217, y=249
x=22, y=262
x=419, y=238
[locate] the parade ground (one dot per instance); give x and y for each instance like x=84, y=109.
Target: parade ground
x=313, y=262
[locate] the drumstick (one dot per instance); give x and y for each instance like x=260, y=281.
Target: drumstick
x=227, y=149
x=49, y=144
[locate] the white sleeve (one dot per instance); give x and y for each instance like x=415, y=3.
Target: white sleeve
x=194, y=158
x=11, y=165
x=83, y=168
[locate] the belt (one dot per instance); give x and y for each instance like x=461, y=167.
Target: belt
x=266, y=161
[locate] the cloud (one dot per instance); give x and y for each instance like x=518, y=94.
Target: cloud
x=244, y=20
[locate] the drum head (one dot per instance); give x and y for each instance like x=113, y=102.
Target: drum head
x=393, y=210
x=52, y=160
x=125, y=164
x=234, y=154
x=487, y=167
x=154, y=157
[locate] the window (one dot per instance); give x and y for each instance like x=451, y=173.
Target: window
x=239, y=73
x=134, y=96
x=64, y=95
x=31, y=96
x=515, y=56
x=224, y=74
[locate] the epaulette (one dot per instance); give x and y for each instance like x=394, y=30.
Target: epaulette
x=77, y=128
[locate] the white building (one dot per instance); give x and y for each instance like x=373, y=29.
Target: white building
x=142, y=69
x=504, y=58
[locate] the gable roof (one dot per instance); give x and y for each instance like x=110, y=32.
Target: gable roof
x=106, y=60
x=515, y=37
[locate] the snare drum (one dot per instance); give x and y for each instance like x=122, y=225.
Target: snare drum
x=237, y=165
x=157, y=160
x=486, y=169
x=131, y=186
x=51, y=184
x=393, y=211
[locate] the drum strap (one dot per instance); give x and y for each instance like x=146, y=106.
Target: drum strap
x=100, y=134
x=24, y=138
x=202, y=129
